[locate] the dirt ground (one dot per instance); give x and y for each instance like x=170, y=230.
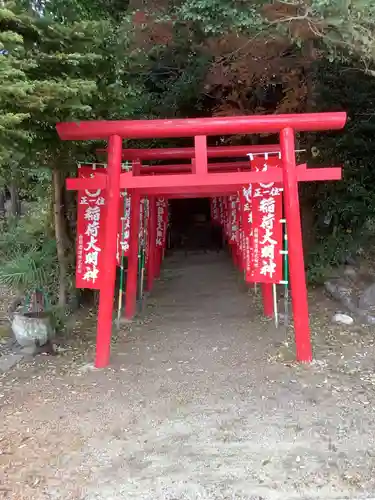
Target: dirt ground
x=202, y=401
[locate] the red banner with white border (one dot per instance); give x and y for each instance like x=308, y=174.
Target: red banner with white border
x=161, y=222
x=222, y=212
x=246, y=227
x=267, y=230
x=215, y=210
x=123, y=236
x=146, y=227
x=90, y=232
x=233, y=223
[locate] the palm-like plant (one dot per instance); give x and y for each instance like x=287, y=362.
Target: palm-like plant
x=33, y=269
x=28, y=258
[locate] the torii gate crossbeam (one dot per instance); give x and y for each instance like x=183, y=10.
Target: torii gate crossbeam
x=189, y=153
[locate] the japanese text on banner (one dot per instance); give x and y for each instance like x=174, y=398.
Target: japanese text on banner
x=233, y=228
x=123, y=237
x=161, y=221
x=90, y=233
x=246, y=226
x=215, y=209
x=267, y=231
x=146, y=228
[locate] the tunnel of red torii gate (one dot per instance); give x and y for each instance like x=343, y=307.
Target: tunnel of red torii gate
x=243, y=189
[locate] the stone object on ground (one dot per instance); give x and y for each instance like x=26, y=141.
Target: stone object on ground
x=343, y=319
x=355, y=290
x=30, y=350
x=367, y=298
x=35, y=349
x=350, y=271
x=342, y=291
x=32, y=329
x=7, y=362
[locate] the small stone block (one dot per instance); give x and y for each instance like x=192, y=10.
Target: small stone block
x=7, y=362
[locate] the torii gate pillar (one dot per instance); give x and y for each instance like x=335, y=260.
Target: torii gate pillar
x=296, y=260
x=152, y=256
x=107, y=290
x=132, y=276
x=267, y=299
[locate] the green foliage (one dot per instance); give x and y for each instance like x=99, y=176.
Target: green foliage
x=28, y=255
x=51, y=71
x=65, y=11
x=345, y=210
x=14, y=87
x=174, y=83
x=215, y=17
x=346, y=27
x=342, y=27
x=59, y=61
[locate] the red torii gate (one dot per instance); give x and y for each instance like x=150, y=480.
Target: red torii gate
x=198, y=182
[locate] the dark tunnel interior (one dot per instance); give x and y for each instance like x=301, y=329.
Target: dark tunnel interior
x=191, y=228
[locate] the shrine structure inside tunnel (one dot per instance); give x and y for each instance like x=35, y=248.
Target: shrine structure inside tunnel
x=124, y=204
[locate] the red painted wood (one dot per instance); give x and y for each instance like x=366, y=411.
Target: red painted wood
x=296, y=261
x=151, y=263
x=190, y=195
x=161, y=183
x=267, y=299
x=193, y=181
x=319, y=174
x=132, y=274
x=212, y=167
x=153, y=129
x=199, y=163
x=158, y=261
x=187, y=183
x=185, y=169
x=104, y=329
x=180, y=168
x=187, y=153
x=199, y=184
x=97, y=182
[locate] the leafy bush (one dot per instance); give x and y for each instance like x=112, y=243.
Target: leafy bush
x=28, y=257
x=344, y=210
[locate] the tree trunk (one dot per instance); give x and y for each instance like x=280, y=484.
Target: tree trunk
x=2, y=205
x=70, y=202
x=15, y=204
x=60, y=235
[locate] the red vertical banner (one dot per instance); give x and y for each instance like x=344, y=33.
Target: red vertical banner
x=225, y=203
x=123, y=238
x=238, y=224
x=215, y=214
x=242, y=250
x=161, y=222
x=267, y=232
x=246, y=223
x=146, y=228
x=90, y=233
x=221, y=212
x=142, y=222
x=233, y=220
